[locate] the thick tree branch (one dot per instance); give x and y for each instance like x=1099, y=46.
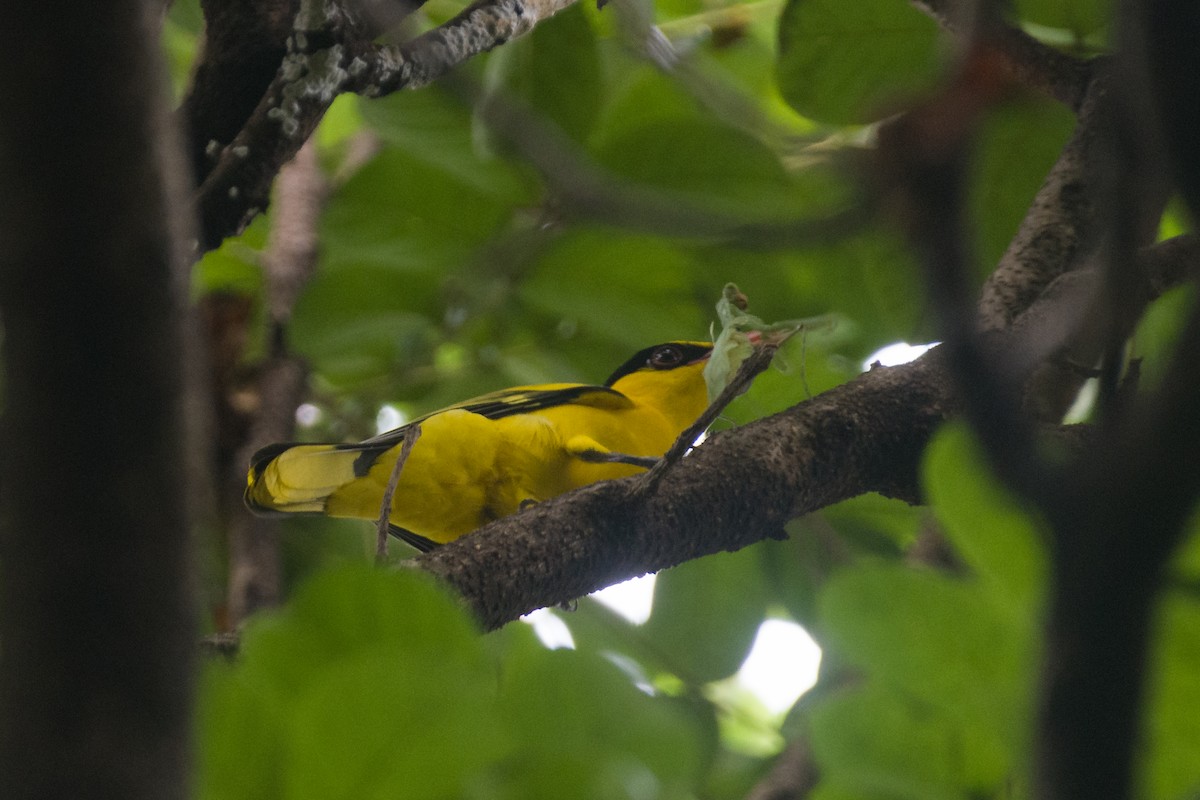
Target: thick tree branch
x=244, y=43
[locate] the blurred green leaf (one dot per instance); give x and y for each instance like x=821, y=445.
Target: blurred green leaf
x=1080, y=17
x=802, y=368
x=948, y=661
x=359, y=657
x=235, y=265
x=820, y=544
x=706, y=613
x=710, y=165
x=434, y=125
x=341, y=121
x=934, y=649
x=942, y=640
x=854, y=62
x=1172, y=730
x=984, y=523
x=874, y=742
x=389, y=237
x=632, y=289
x=555, y=71
x=587, y=733
x=1002, y=187
x=182, y=30
x=407, y=213
x=1158, y=330
x=645, y=96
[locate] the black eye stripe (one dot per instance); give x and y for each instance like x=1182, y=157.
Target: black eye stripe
x=684, y=353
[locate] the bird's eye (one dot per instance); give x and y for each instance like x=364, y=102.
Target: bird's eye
x=665, y=357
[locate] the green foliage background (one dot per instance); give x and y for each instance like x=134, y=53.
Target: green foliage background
x=448, y=268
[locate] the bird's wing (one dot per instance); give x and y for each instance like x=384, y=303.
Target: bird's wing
x=509, y=402
x=504, y=403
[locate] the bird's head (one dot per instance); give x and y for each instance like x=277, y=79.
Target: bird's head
x=668, y=376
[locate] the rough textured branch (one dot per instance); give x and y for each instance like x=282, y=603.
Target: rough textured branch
x=318, y=67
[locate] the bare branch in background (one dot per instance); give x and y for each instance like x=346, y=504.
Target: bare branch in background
x=582, y=189
x=289, y=262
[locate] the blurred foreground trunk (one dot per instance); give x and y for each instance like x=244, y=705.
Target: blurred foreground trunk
x=96, y=625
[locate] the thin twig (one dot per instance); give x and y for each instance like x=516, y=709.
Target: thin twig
x=758, y=361
x=385, y=505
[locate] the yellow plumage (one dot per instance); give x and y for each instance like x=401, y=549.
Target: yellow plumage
x=482, y=459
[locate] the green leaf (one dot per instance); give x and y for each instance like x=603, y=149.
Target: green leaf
x=958, y=650
x=1172, y=728
x=434, y=126
x=706, y=613
x=1081, y=17
x=349, y=329
x=644, y=96
x=803, y=368
x=707, y=165
x=942, y=640
x=985, y=524
x=818, y=544
x=627, y=288
x=555, y=70
x=854, y=62
x=241, y=754
x=371, y=684
x=873, y=742
x=933, y=648
x=407, y=213
x=587, y=733
x=1002, y=186
x=1158, y=331
x=894, y=287
x=389, y=237
x=234, y=266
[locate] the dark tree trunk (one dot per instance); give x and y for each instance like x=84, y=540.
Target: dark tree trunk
x=96, y=625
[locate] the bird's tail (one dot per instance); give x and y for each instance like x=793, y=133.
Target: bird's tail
x=292, y=478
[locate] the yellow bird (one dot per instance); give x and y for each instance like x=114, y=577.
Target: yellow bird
x=485, y=458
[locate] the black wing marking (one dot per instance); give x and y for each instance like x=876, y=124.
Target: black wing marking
x=405, y=535
x=507, y=403
x=504, y=403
